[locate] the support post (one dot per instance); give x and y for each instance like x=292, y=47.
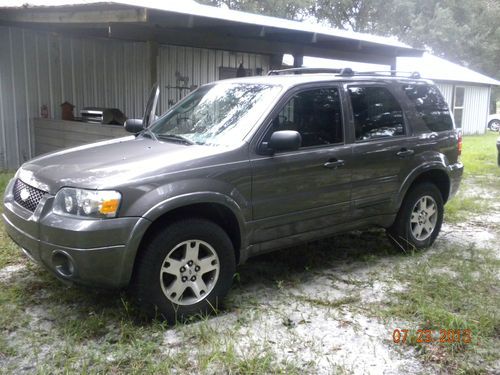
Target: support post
x=153, y=62
x=276, y=61
x=298, y=61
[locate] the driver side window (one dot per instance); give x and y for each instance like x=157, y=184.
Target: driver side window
x=316, y=114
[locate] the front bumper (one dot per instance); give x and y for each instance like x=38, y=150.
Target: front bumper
x=90, y=252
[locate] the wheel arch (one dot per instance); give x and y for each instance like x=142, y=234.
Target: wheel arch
x=436, y=175
x=215, y=207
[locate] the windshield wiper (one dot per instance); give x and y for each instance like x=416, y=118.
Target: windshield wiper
x=175, y=137
x=149, y=134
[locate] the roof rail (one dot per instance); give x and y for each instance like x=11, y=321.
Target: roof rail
x=346, y=72
x=303, y=71
x=397, y=73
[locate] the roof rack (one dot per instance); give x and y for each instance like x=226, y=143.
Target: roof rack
x=303, y=71
x=346, y=72
x=397, y=73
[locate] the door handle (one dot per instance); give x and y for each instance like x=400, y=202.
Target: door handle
x=404, y=153
x=334, y=164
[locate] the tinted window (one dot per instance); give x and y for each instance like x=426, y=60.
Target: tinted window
x=376, y=113
x=315, y=114
x=430, y=106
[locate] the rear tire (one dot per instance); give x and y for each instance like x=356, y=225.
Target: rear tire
x=494, y=125
x=186, y=269
x=419, y=218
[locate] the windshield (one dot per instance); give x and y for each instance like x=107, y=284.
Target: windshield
x=218, y=114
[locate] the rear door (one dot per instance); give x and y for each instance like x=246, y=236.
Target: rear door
x=381, y=152
x=308, y=189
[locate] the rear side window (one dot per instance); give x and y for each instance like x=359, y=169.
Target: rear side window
x=376, y=113
x=430, y=106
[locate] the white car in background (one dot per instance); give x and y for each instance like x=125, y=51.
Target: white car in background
x=494, y=122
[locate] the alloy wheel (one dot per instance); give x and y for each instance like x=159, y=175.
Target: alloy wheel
x=189, y=272
x=423, y=218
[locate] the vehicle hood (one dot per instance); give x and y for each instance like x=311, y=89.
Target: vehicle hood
x=111, y=163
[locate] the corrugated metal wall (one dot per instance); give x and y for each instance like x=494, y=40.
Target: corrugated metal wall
x=447, y=91
x=38, y=68
x=198, y=66
x=476, y=109
x=476, y=106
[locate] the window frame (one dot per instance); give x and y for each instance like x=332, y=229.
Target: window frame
x=462, y=107
x=286, y=97
x=391, y=91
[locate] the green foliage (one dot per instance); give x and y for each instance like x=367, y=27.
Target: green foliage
x=295, y=9
x=466, y=32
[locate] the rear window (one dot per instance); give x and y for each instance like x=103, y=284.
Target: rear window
x=430, y=106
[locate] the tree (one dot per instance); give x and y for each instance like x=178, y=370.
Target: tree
x=463, y=31
x=290, y=9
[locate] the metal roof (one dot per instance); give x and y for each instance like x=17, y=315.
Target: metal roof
x=191, y=7
x=438, y=69
x=296, y=37
x=429, y=66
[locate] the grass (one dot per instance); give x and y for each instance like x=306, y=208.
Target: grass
x=48, y=327
x=456, y=288
x=9, y=252
x=479, y=155
x=479, y=187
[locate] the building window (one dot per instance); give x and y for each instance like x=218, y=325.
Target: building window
x=458, y=105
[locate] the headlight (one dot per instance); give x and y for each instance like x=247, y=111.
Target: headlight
x=87, y=203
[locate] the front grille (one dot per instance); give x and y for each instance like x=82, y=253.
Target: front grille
x=27, y=196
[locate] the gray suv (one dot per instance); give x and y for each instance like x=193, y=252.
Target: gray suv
x=238, y=168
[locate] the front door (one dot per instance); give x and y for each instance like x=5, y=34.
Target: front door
x=308, y=189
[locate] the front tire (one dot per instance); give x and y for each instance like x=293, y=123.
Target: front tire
x=186, y=269
x=419, y=218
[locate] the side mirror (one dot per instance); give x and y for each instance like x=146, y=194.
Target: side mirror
x=284, y=140
x=133, y=125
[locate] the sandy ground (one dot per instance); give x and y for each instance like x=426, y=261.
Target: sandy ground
x=313, y=318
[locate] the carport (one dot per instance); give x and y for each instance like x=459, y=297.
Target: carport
x=96, y=54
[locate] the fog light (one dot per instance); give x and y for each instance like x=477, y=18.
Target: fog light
x=63, y=263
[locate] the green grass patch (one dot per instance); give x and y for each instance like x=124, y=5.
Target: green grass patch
x=455, y=288
x=4, y=180
x=9, y=252
x=480, y=186
x=479, y=155
x=459, y=208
